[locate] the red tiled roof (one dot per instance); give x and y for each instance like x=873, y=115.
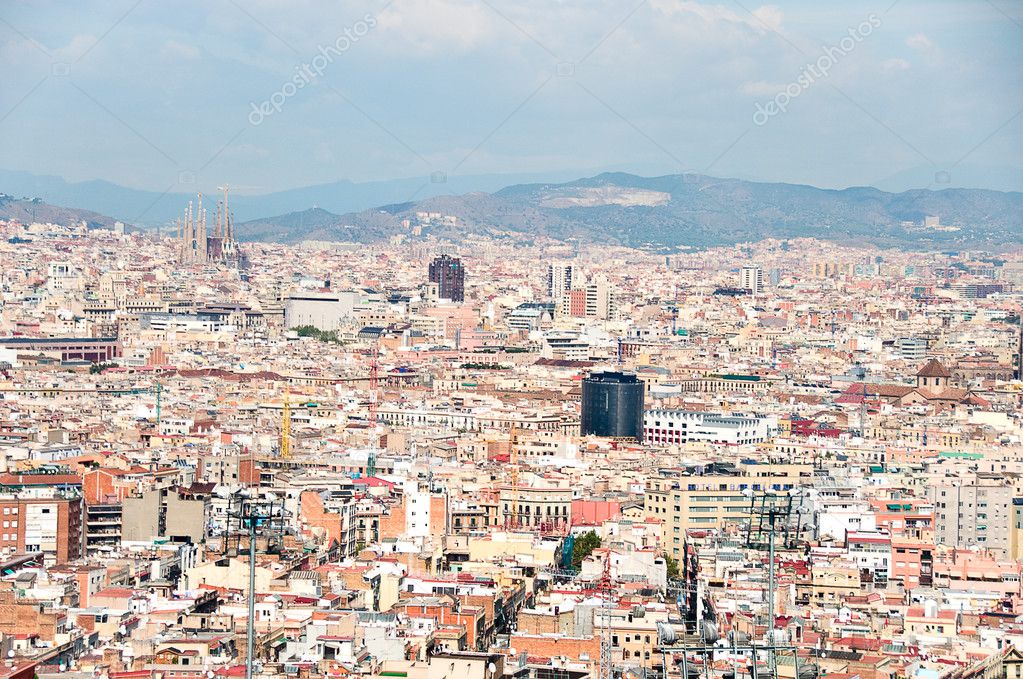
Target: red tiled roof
x=933, y=368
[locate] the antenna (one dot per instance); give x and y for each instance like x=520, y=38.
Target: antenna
x=769, y=512
x=606, y=590
x=255, y=517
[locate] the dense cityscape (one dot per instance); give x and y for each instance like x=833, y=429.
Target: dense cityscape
x=511, y=339
x=427, y=459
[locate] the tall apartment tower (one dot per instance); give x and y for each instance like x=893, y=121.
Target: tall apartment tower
x=559, y=280
x=973, y=511
x=601, y=300
x=751, y=278
x=449, y=275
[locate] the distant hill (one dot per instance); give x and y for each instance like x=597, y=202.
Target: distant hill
x=29, y=210
x=152, y=208
x=676, y=211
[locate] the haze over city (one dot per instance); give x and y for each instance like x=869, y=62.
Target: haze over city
x=137, y=93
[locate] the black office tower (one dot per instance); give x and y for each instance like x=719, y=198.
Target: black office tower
x=448, y=274
x=612, y=405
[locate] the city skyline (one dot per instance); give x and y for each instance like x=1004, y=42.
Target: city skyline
x=611, y=383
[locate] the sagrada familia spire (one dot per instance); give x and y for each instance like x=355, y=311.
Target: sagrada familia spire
x=196, y=245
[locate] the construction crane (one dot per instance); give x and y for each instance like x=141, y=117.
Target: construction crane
x=285, y=428
x=159, y=401
x=674, y=313
x=512, y=518
x=374, y=380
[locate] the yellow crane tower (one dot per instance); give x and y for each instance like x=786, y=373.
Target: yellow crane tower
x=513, y=460
x=286, y=428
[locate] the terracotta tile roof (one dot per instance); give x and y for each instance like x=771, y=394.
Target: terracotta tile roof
x=933, y=368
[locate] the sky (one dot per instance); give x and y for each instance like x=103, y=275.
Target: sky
x=275, y=95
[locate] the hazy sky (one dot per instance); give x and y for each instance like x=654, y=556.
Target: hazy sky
x=149, y=93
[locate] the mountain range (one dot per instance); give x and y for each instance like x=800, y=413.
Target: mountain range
x=666, y=212
x=673, y=211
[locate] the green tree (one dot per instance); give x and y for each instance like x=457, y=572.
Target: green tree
x=672, y=564
x=583, y=547
x=322, y=335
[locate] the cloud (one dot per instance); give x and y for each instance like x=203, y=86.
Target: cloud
x=75, y=48
x=919, y=41
x=761, y=88
x=770, y=16
x=765, y=18
x=895, y=65
x=179, y=50
x=437, y=25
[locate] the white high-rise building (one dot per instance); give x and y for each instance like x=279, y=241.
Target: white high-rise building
x=752, y=278
x=601, y=300
x=559, y=280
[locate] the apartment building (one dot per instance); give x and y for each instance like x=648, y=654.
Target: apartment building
x=547, y=508
x=973, y=511
x=678, y=427
x=47, y=520
x=714, y=495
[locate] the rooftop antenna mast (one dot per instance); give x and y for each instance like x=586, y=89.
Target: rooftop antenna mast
x=606, y=591
x=769, y=514
x=255, y=517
